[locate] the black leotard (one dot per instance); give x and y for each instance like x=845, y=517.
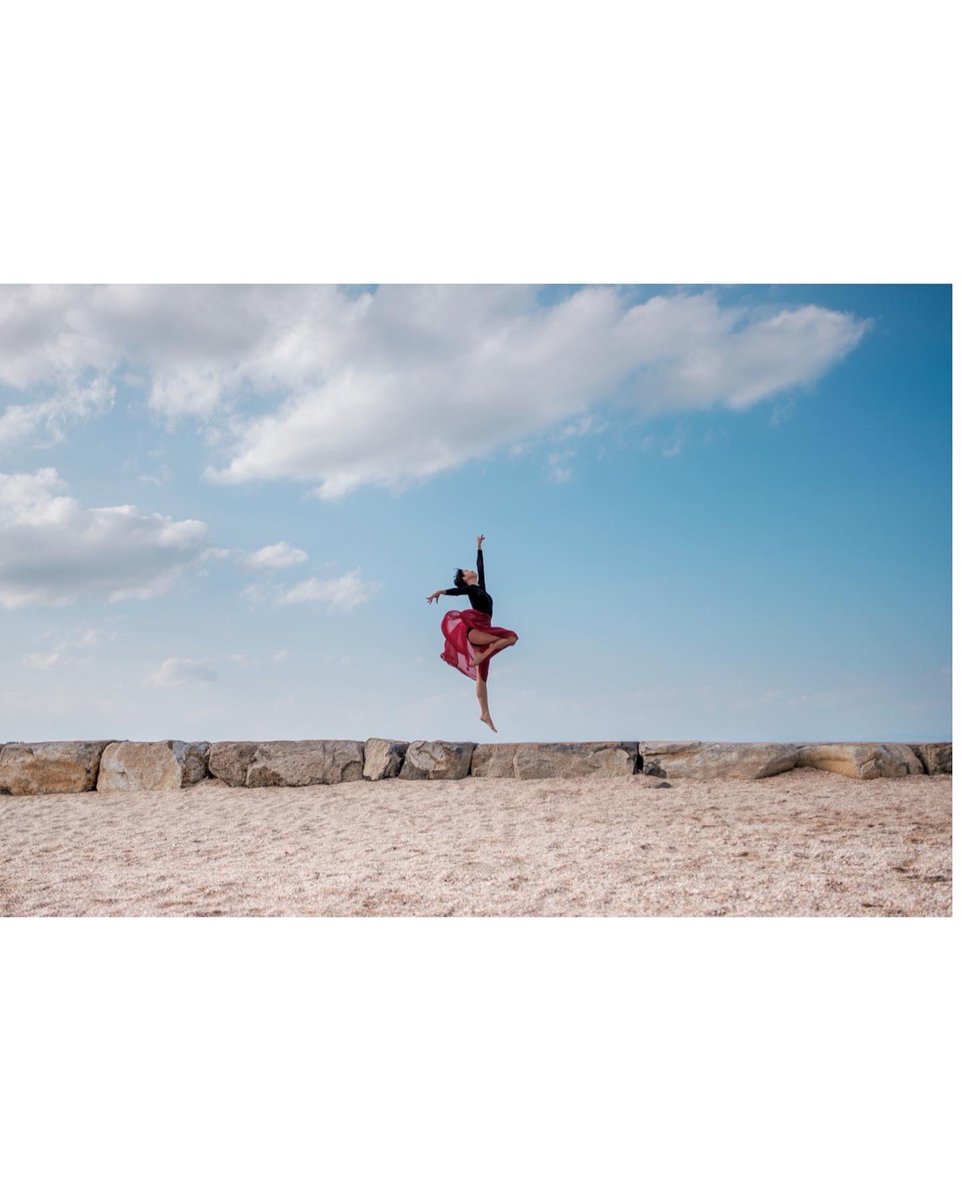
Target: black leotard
x=479, y=597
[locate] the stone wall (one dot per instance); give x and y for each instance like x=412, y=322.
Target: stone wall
x=33, y=768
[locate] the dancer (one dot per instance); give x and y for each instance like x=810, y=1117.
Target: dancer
x=466, y=632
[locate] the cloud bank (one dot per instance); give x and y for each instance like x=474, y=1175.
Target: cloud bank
x=52, y=550
x=338, y=389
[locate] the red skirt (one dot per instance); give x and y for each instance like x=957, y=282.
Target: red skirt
x=457, y=649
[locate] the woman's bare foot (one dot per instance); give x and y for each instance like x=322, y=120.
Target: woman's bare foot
x=479, y=658
x=487, y=720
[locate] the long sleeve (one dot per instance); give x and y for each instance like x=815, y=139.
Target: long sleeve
x=455, y=591
x=481, y=570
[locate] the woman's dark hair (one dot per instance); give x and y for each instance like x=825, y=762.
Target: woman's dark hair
x=459, y=578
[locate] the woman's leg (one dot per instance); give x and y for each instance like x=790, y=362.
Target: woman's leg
x=495, y=644
x=481, y=690
x=477, y=637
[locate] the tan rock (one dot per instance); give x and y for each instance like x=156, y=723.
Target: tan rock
x=717, y=760
x=935, y=757
x=286, y=764
x=437, y=760
x=495, y=761
x=383, y=758
x=301, y=763
x=230, y=760
x=152, y=766
x=553, y=760
x=39, y=768
x=861, y=760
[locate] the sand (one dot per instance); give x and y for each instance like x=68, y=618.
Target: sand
x=805, y=843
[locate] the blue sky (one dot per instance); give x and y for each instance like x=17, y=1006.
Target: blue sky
x=710, y=512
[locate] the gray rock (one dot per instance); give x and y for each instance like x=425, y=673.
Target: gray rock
x=495, y=761
x=286, y=764
x=861, y=760
x=299, y=764
x=151, y=766
x=437, y=760
x=40, y=768
x=383, y=758
x=717, y=760
x=554, y=760
x=935, y=757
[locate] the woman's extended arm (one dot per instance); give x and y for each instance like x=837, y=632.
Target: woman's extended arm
x=480, y=563
x=455, y=591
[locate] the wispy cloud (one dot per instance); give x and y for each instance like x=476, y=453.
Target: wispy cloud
x=65, y=647
x=274, y=558
x=178, y=672
x=344, y=593
x=559, y=473
x=339, y=593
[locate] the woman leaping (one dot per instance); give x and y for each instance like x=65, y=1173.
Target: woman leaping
x=466, y=631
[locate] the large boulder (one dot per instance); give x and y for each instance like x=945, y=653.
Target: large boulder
x=717, y=760
x=936, y=757
x=554, y=760
x=383, y=758
x=286, y=764
x=437, y=760
x=152, y=766
x=861, y=760
x=35, y=768
x=230, y=760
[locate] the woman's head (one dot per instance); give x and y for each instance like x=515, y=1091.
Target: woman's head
x=465, y=578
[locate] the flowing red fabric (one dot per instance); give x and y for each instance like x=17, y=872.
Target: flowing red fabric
x=457, y=649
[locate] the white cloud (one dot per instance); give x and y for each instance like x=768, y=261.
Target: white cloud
x=48, y=416
x=176, y=672
x=558, y=472
x=341, y=390
x=156, y=478
x=344, y=593
x=42, y=662
x=274, y=557
x=52, y=550
x=65, y=647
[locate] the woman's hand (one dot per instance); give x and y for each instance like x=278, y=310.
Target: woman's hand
x=480, y=540
x=433, y=596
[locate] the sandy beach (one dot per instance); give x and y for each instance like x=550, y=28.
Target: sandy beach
x=804, y=843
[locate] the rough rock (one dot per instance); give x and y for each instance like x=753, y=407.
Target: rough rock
x=383, y=758
x=553, y=760
x=286, y=764
x=437, y=760
x=861, y=760
x=152, y=766
x=230, y=761
x=298, y=764
x=717, y=760
x=935, y=757
x=35, y=768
